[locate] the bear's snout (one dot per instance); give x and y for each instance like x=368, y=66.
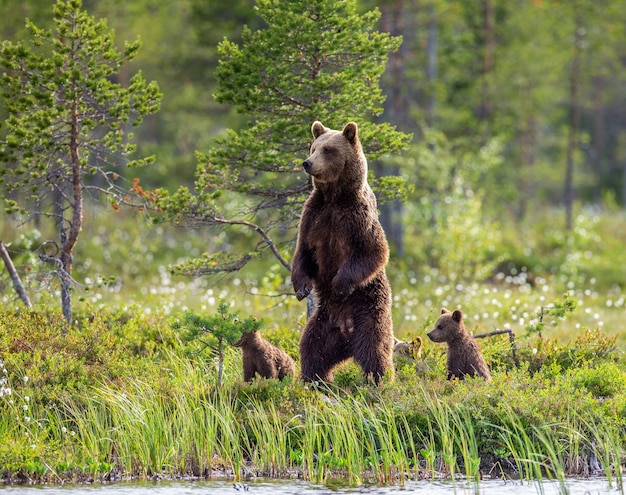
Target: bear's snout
x=434, y=336
x=307, y=165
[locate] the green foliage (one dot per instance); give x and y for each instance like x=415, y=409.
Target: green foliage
x=157, y=411
x=590, y=349
x=48, y=366
x=212, y=331
x=605, y=380
x=558, y=310
x=208, y=264
x=140, y=414
x=317, y=60
x=60, y=95
x=447, y=207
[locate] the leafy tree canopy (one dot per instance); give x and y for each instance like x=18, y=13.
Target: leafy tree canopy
x=319, y=60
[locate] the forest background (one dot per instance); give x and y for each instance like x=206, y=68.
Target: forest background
x=513, y=211
x=516, y=170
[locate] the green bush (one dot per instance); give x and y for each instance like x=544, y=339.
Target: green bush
x=590, y=349
x=604, y=380
x=40, y=358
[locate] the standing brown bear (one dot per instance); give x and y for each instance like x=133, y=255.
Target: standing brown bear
x=341, y=254
x=259, y=356
x=464, y=356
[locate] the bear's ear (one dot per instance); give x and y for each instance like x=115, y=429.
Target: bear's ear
x=457, y=315
x=444, y=311
x=318, y=129
x=350, y=132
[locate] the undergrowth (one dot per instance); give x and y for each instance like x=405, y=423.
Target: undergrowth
x=122, y=396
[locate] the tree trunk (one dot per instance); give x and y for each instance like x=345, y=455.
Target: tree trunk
x=597, y=148
x=431, y=68
x=486, y=110
x=17, y=283
x=624, y=185
x=395, y=111
x=572, y=141
x=69, y=237
x=527, y=161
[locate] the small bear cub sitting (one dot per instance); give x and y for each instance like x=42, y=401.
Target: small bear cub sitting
x=464, y=356
x=259, y=356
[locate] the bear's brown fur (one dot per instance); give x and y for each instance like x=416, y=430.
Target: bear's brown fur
x=259, y=356
x=341, y=255
x=464, y=356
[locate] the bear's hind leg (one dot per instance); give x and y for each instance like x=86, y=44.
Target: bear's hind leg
x=372, y=344
x=322, y=347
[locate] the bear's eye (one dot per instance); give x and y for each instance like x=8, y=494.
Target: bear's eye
x=327, y=151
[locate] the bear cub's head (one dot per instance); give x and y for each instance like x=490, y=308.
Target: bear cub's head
x=335, y=155
x=248, y=338
x=449, y=327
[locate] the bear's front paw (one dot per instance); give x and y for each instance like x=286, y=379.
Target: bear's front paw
x=302, y=284
x=342, y=289
x=302, y=293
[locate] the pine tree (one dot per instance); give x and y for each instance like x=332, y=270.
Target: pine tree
x=214, y=333
x=314, y=60
x=68, y=126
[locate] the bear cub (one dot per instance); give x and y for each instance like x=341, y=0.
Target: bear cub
x=259, y=356
x=464, y=356
x=410, y=350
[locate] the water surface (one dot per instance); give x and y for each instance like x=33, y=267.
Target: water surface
x=590, y=486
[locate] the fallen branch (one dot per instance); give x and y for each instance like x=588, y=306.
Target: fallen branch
x=494, y=333
x=17, y=283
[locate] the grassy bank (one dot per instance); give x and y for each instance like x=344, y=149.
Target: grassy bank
x=121, y=396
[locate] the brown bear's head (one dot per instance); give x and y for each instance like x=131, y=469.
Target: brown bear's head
x=247, y=338
x=336, y=155
x=449, y=326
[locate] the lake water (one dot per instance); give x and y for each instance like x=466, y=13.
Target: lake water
x=591, y=486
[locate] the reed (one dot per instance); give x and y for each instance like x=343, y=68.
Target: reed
x=378, y=431
x=606, y=448
x=440, y=441
x=331, y=441
x=84, y=430
x=346, y=437
x=396, y=443
x=547, y=440
x=268, y=440
x=410, y=447
x=144, y=432
x=463, y=422
x=513, y=436
x=198, y=426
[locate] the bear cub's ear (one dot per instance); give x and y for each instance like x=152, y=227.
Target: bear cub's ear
x=457, y=315
x=350, y=132
x=318, y=129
